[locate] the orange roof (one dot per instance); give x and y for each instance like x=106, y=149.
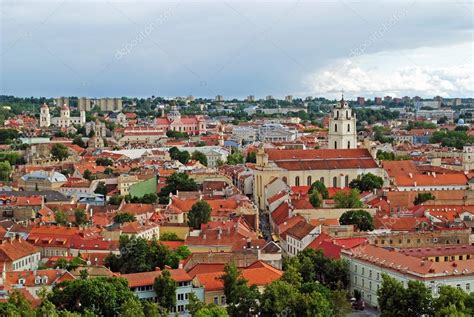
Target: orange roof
x=137, y=208
x=259, y=273
x=14, y=249
x=325, y=222
x=291, y=159
x=148, y=278
x=397, y=261
x=429, y=180
x=49, y=276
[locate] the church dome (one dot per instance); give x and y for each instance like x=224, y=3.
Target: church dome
x=460, y=121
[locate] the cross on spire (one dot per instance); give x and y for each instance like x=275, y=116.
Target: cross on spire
x=342, y=93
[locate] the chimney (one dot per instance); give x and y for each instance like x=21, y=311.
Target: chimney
x=204, y=236
x=410, y=175
x=434, y=174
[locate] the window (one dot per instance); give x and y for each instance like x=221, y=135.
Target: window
x=346, y=181
x=308, y=181
x=216, y=300
x=222, y=300
x=468, y=287
x=335, y=144
x=285, y=179
x=297, y=181
x=378, y=276
x=348, y=128
x=348, y=144
x=335, y=127
x=334, y=181
x=321, y=180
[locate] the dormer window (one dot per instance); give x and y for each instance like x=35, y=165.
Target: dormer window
x=45, y=279
x=37, y=280
x=21, y=281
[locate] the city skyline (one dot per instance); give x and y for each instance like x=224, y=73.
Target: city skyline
x=58, y=48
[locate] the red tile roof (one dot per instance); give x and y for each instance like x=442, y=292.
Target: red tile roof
x=148, y=278
x=300, y=230
x=281, y=213
x=321, y=159
x=14, y=249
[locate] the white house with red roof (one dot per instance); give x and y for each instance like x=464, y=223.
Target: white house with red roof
x=142, y=285
x=18, y=255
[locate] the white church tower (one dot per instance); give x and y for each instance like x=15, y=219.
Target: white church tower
x=342, y=127
x=45, y=117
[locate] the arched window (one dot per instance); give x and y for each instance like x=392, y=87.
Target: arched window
x=346, y=181
x=321, y=180
x=337, y=114
x=348, y=127
x=308, y=181
x=335, y=144
x=347, y=114
x=297, y=181
x=348, y=144
x=334, y=181
x=335, y=127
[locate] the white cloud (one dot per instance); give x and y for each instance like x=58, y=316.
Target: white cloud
x=399, y=74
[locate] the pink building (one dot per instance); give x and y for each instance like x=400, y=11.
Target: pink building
x=192, y=125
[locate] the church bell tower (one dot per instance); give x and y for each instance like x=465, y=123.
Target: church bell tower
x=342, y=127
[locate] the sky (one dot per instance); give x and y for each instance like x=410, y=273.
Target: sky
x=232, y=48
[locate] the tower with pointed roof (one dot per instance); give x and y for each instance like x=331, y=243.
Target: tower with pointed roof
x=342, y=127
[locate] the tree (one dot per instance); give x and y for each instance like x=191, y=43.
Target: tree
x=320, y=188
x=131, y=308
x=181, y=156
x=211, y=311
x=280, y=297
x=101, y=189
x=315, y=199
x=175, y=182
x=367, y=182
x=124, y=217
x=80, y=217
x=87, y=175
x=395, y=300
x=199, y=156
x=5, y=171
x=78, y=141
x=60, y=218
x=349, y=199
x=104, y=161
x=169, y=236
x=102, y=295
x=235, y=158
x=115, y=200
x=360, y=218
x=165, y=288
x=151, y=309
x=451, y=298
x=141, y=255
x=251, y=157
x=200, y=213
x=59, y=152
x=391, y=297
x=241, y=300
x=423, y=197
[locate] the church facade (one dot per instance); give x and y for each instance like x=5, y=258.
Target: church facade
x=64, y=120
x=336, y=166
x=192, y=125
